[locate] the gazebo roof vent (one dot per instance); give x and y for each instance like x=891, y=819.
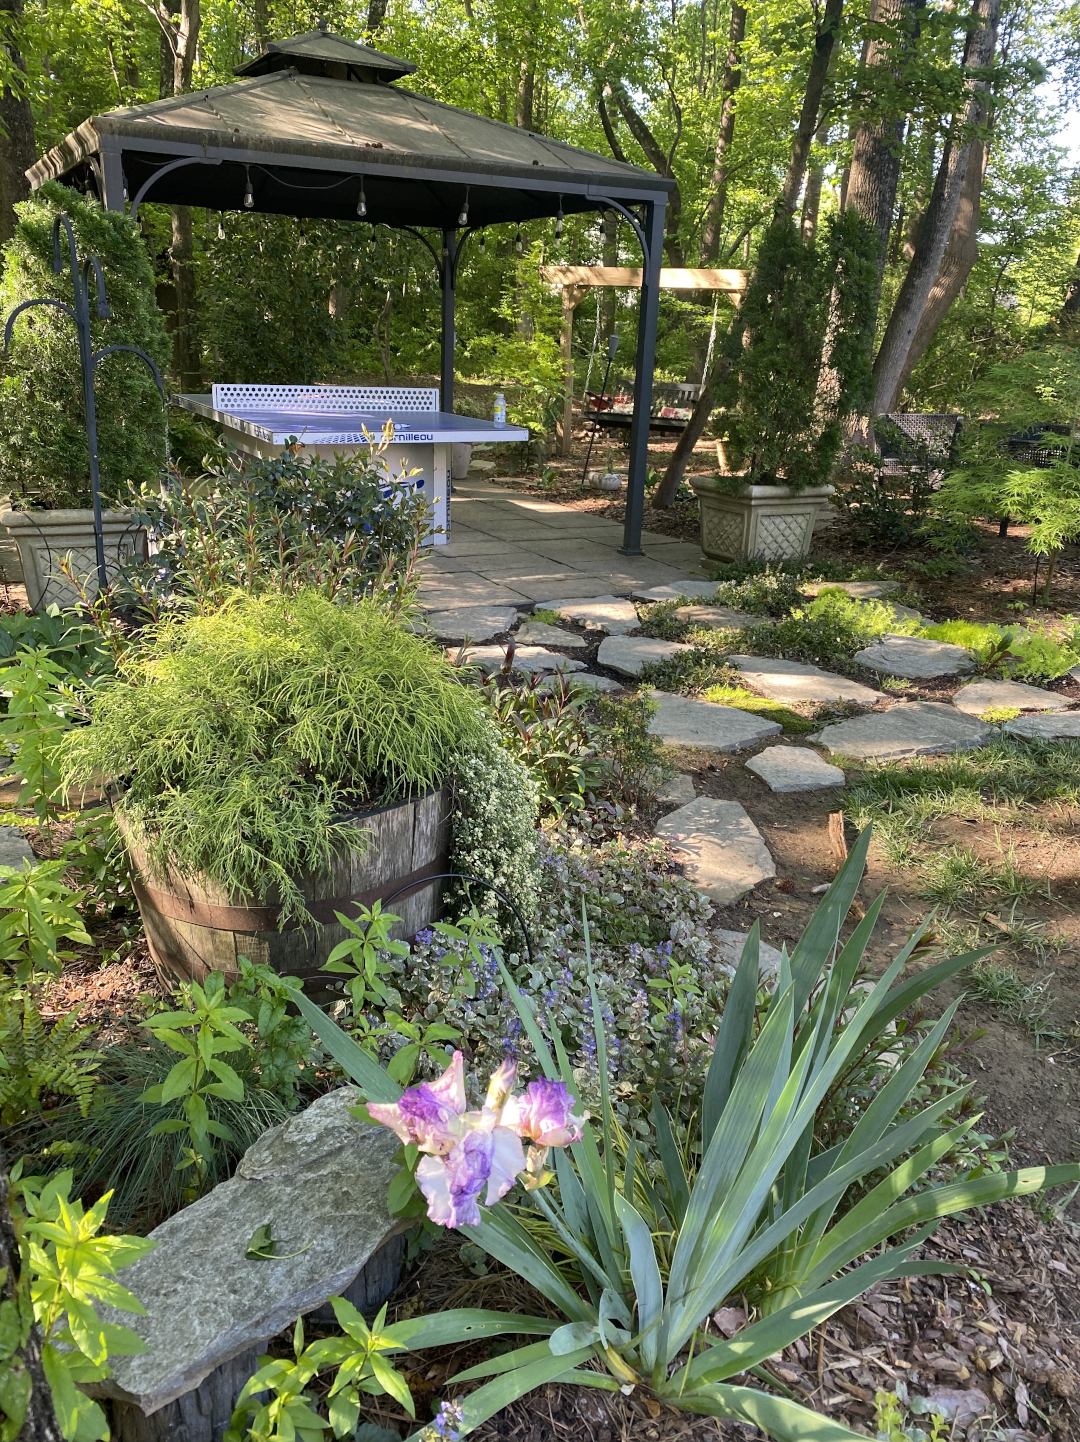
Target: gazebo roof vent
x=321, y=53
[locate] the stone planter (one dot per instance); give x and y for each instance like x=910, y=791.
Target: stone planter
x=460, y=460
x=44, y=538
x=772, y=522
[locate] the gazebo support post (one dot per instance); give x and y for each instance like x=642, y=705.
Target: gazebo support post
x=448, y=280
x=648, y=314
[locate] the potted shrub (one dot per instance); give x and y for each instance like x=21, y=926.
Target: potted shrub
x=278, y=761
x=44, y=457
x=796, y=365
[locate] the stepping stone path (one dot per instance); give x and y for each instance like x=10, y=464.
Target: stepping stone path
x=526, y=658
x=584, y=679
x=982, y=696
x=794, y=768
x=538, y=633
x=795, y=681
x=914, y=728
x=14, y=850
x=860, y=590
x=684, y=590
x=627, y=654
x=719, y=618
x=730, y=945
x=612, y=614
x=915, y=658
x=1066, y=724
x=681, y=721
x=677, y=791
x=473, y=623
x=722, y=851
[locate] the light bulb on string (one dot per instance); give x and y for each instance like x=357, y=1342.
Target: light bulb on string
x=483, y=242
x=559, y=221
x=221, y=225
x=361, y=204
x=517, y=242
x=463, y=217
x=303, y=238
x=249, y=194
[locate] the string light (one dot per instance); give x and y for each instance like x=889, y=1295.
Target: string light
x=303, y=238
x=221, y=225
x=559, y=221
x=249, y=194
x=483, y=243
x=463, y=218
x=361, y=204
x=517, y=242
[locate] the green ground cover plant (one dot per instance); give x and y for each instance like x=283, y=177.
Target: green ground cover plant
x=1020, y=652
x=743, y=700
x=240, y=739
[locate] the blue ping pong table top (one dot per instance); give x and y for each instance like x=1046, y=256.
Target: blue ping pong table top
x=331, y=428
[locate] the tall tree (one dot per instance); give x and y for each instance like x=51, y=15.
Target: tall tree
x=17, y=151
x=660, y=160
x=718, y=182
x=825, y=40
x=937, y=220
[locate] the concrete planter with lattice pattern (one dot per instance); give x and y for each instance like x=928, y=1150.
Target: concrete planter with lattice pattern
x=774, y=523
x=44, y=538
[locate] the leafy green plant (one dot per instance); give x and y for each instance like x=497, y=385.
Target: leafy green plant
x=202, y=1033
x=280, y=1044
x=360, y=956
x=743, y=700
x=1027, y=654
x=892, y=1427
x=38, y=715
x=65, y=636
x=421, y=1041
x=71, y=1267
x=38, y=913
x=544, y=723
x=635, y=757
x=43, y=451
x=645, y=1240
x=38, y=1060
x=243, y=737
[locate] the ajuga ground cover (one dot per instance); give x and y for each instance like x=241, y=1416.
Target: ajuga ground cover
x=239, y=740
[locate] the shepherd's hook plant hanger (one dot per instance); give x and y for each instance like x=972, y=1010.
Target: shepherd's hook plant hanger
x=89, y=359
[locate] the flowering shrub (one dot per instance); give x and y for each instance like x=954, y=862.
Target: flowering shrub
x=495, y=821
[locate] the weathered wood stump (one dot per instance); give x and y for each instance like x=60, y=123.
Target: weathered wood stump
x=195, y=927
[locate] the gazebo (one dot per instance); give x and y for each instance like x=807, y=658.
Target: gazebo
x=318, y=127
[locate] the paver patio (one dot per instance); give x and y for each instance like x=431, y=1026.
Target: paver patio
x=506, y=547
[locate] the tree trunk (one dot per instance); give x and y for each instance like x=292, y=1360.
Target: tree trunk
x=936, y=224
x=1071, y=305
x=17, y=150
x=375, y=16
x=186, y=351
x=40, y=1424
x=668, y=488
x=960, y=256
x=185, y=40
x=824, y=42
x=714, y=211
x=661, y=163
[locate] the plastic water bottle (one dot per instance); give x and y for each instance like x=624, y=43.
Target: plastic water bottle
x=500, y=409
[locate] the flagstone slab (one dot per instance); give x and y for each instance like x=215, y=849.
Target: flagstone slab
x=730, y=946
x=682, y=721
x=526, y=658
x=473, y=623
x=678, y=790
x=1064, y=725
x=860, y=590
x=914, y=728
x=539, y=633
x=915, y=658
x=980, y=696
x=676, y=590
x=722, y=852
x=593, y=682
x=719, y=618
x=794, y=768
x=14, y=850
x=612, y=614
x=627, y=654
x=797, y=681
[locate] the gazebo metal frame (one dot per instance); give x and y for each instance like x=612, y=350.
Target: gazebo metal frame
x=317, y=128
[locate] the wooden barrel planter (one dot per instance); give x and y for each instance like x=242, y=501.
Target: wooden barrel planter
x=195, y=928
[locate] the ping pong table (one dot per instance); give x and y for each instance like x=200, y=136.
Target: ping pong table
x=334, y=420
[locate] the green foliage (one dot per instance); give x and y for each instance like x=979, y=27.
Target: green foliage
x=44, y=459
x=360, y=957
x=202, y=1033
x=284, y=524
x=646, y=1238
x=544, y=723
x=69, y=641
x=890, y=1422
x=38, y=913
x=72, y=1267
x=830, y=630
x=743, y=700
x=807, y=317
x=38, y=714
x=39, y=1061
x=634, y=755
x=243, y=736
x=1024, y=653
x=280, y=1045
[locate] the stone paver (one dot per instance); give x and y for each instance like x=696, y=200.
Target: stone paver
x=14, y=850
x=539, y=633
x=722, y=851
x=861, y=590
x=794, y=768
x=690, y=590
x=1065, y=724
x=982, y=696
x=473, y=623
x=526, y=658
x=796, y=681
x=914, y=728
x=719, y=618
x=627, y=654
x=915, y=657
x=445, y=590
x=678, y=790
x=730, y=945
x=587, y=679
x=610, y=614
x=681, y=721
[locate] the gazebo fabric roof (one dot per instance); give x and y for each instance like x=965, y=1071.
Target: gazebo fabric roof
x=320, y=52
x=283, y=126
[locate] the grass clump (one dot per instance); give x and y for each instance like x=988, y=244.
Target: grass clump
x=1025, y=654
x=828, y=632
x=242, y=739
x=743, y=700
x=1002, y=986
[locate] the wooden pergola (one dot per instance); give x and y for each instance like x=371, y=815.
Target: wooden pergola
x=576, y=281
